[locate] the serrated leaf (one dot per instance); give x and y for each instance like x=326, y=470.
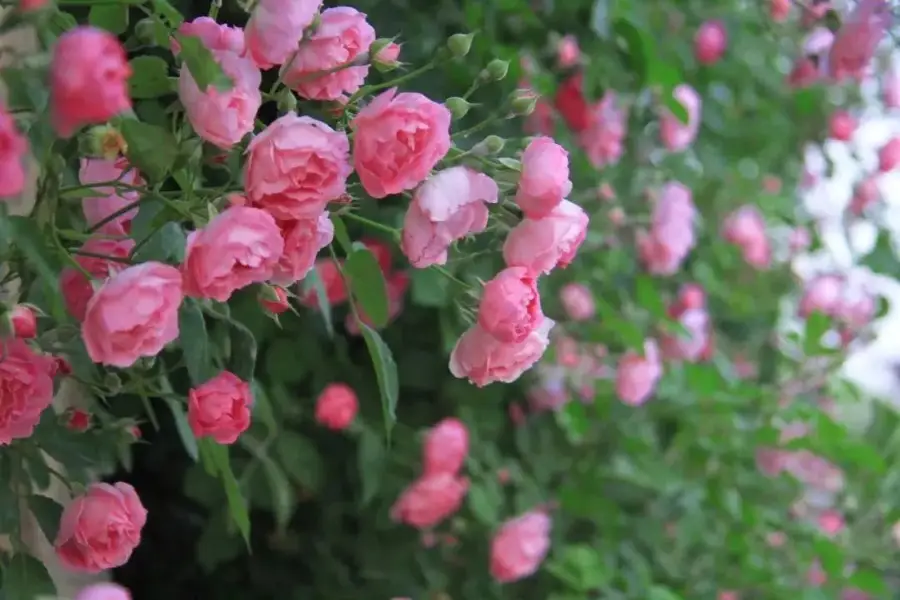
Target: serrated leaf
x=151, y=149
x=149, y=78
x=48, y=513
x=202, y=64
x=386, y=374
x=26, y=577
x=194, y=341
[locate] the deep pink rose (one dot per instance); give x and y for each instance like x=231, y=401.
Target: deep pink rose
x=857, y=39
x=13, y=150
x=398, y=139
x=567, y=51
x=637, y=375
x=108, y=199
x=746, y=229
x=100, y=529
x=446, y=447
x=889, y=155
x=23, y=322
x=276, y=27
x=75, y=287
x=296, y=166
x=545, y=178
x=544, y=244
x=133, y=314
x=577, y=301
x=710, y=42
x=303, y=240
x=26, y=389
x=519, y=547
x=677, y=136
x=336, y=406
x=430, y=499
x=483, y=359
x=220, y=408
x=510, y=307
x=842, y=125
x=240, y=246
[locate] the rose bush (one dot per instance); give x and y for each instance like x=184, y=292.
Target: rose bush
x=400, y=311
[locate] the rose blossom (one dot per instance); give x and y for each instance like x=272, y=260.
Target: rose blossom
x=830, y=522
x=604, y=136
x=779, y=10
x=240, y=246
x=577, y=301
x=571, y=103
x=824, y=294
x=567, y=51
x=689, y=347
x=103, y=591
x=510, y=307
x=336, y=406
x=89, y=74
x=545, y=178
x=710, y=42
x=842, y=125
x=108, y=200
x=133, y=314
x=637, y=376
x=100, y=529
x=857, y=39
x=447, y=207
x=220, y=408
x=482, y=359
x=26, y=389
x=75, y=287
x=342, y=36
x=446, y=447
x=303, y=240
x=544, y=244
x=276, y=27
x=864, y=195
x=296, y=166
x=13, y=150
x=889, y=155
x=677, y=136
x=519, y=547
x=215, y=36
x=671, y=235
x=398, y=139
x=430, y=499
x=746, y=229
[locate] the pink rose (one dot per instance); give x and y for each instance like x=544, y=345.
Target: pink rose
x=109, y=200
x=865, y=194
x=240, y=246
x=26, y=389
x=343, y=35
x=220, y=408
x=830, y=522
x=398, y=139
x=688, y=347
x=446, y=447
x=746, y=229
x=510, y=306
x=824, y=294
x=842, y=125
x=430, y=499
x=336, y=406
x=223, y=118
x=857, y=39
x=214, y=36
x=677, y=136
x=133, y=314
x=671, y=235
x=519, y=547
x=23, y=322
x=577, y=301
x=449, y=206
x=276, y=27
x=637, y=376
x=296, y=166
x=567, y=52
x=710, y=42
x=889, y=155
x=103, y=591
x=818, y=42
x=89, y=74
x=603, y=140
x=779, y=10
x=13, y=150
x=75, y=287
x=100, y=529
x=545, y=178
x=890, y=88
x=483, y=359
x=303, y=240
x=545, y=244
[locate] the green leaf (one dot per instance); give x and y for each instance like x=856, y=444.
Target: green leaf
x=662, y=593
x=194, y=342
x=243, y=351
x=367, y=285
x=639, y=48
x=882, y=259
x=370, y=462
x=870, y=582
x=581, y=567
x=215, y=460
x=155, y=227
x=573, y=419
x=168, y=13
x=830, y=556
x=484, y=501
x=600, y=18
x=151, y=149
x=202, y=64
x=9, y=512
x=26, y=236
x=48, y=514
x=262, y=406
x=111, y=17
x=284, y=500
x=648, y=297
x=217, y=544
x=313, y=281
x=300, y=459
x=386, y=373
x=183, y=427
x=816, y=326
x=149, y=78
x=430, y=288
x=25, y=577
x=341, y=235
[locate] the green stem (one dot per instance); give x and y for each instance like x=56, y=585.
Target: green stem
x=479, y=126
x=118, y=259
x=114, y=215
x=368, y=89
x=371, y=223
x=450, y=275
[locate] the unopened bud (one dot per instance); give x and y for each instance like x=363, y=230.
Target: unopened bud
x=20, y=322
x=112, y=383
x=496, y=69
x=458, y=107
x=105, y=141
x=493, y=144
x=145, y=31
x=274, y=299
x=523, y=102
x=287, y=101
x=460, y=44
x=385, y=54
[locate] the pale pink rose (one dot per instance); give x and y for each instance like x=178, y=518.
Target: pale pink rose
x=446, y=447
x=603, y=139
x=13, y=150
x=397, y=284
x=690, y=347
x=76, y=288
x=276, y=27
x=430, y=499
x=240, y=246
x=398, y=139
x=551, y=392
x=818, y=42
x=108, y=199
x=133, y=314
x=214, y=36
x=842, y=125
x=26, y=389
x=771, y=461
x=342, y=36
x=89, y=74
x=890, y=88
x=567, y=52
x=814, y=471
x=103, y=591
x=449, y=206
x=220, y=408
x=296, y=166
x=100, y=529
x=303, y=240
x=336, y=406
x=577, y=301
x=23, y=322
x=710, y=42
x=889, y=155
x=542, y=245
x=223, y=118
x=482, y=359
x=857, y=39
x=671, y=235
x=854, y=594
x=545, y=178
x=637, y=376
x=823, y=294
x=746, y=229
x=799, y=239
x=865, y=194
x=519, y=547
x=510, y=307
x=895, y=532
x=677, y=136
x=830, y=522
